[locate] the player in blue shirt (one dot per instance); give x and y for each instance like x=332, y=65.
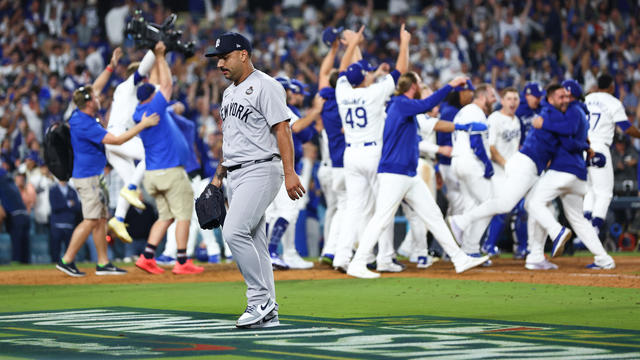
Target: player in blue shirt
x=165, y=178
x=87, y=139
x=529, y=107
x=397, y=180
x=524, y=167
x=567, y=179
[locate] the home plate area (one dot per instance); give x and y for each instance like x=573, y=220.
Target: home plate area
x=147, y=333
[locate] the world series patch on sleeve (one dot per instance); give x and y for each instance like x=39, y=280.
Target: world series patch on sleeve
x=210, y=207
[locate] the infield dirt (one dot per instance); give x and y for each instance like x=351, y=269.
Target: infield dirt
x=572, y=272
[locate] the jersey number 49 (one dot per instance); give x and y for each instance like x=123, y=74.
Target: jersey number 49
x=360, y=117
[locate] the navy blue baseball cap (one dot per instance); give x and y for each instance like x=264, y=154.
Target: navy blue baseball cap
x=144, y=91
x=366, y=65
x=467, y=86
x=297, y=87
x=228, y=42
x=355, y=74
x=573, y=87
x=330, y=34
x=533, y=88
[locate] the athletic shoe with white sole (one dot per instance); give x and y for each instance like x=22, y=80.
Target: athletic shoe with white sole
x=295, y=261
x=542, y=265
x=165, y=260
x=69, y=269
x=455, y=229
x=361, y=271
x=133, y=197
x=594, y=266
x=253, y=314
x=425, y=262
x=559, y=241
x=468, y=262
x=109, y=269
x=277, y=263
x=486, y=263
x=119, y=228
x=389, y=267
x=269, y=321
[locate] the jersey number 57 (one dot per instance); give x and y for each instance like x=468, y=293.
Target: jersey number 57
x=361, y=117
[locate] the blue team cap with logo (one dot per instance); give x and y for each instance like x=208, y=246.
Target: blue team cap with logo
x=533, y=88
x=467, y=86
x=573, y=87
x=330, y=34
x=297, y=87
x=144, y=91
x=355, y=74
x=284, y=81
x=366, y=65
x=228, y=42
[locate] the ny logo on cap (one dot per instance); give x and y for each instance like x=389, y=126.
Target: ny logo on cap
x=217, y=43
x=238, y=46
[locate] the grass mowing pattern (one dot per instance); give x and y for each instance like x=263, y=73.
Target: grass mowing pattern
x=346, y=298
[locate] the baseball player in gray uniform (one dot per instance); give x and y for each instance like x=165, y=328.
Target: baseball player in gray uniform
x=256, y=135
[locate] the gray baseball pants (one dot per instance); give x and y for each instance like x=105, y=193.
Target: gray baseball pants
x=252, y=189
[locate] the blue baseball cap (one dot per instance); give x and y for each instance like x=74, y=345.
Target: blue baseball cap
x=533, y=88
x=355, y=74
x=144, y=91
x=284, y=81
x=573, y=87
x=330, y=34
x=297, y=87
x=366, y=65
x=467, y=86
x=228, y=42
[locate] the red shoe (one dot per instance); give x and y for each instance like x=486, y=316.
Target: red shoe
x=186, y=268
x=149, y=265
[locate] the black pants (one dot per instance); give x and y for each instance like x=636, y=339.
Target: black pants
x=58, y=236
x=18, y=227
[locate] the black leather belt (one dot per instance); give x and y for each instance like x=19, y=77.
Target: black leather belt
x=236, y=167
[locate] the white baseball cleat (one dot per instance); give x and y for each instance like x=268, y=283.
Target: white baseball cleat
x=361, y=271
x=594, y=266
x=455, y=229
x=425, y=262
x=469, y=262
x=295, y=261
x=389, y=267
x=542, y=265
x=253, y=314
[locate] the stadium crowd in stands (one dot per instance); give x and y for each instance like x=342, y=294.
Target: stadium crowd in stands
x=49, y=48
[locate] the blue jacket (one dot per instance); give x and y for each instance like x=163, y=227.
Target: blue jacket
x=400, y=151
x=333, y=126
x=61, y=212
x=570, y=155
x=448, y=113
x=541, y=145
x=526, y=116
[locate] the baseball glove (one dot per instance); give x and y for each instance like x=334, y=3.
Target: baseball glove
x=210, y=207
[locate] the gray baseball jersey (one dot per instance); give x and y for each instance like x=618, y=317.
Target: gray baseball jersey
x=248, y=112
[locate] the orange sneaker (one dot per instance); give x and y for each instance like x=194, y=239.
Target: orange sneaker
x=149, y=265
x=186, y=268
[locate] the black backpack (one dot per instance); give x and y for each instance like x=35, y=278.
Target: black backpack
x=58, y=153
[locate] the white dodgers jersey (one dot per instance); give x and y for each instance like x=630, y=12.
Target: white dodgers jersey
x=504, y=133
x=604, y=112
x=362, y=110
x=461, y=144
x=248, y=112
x=123, y=106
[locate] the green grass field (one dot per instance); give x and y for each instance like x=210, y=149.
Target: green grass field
x=594, y=320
